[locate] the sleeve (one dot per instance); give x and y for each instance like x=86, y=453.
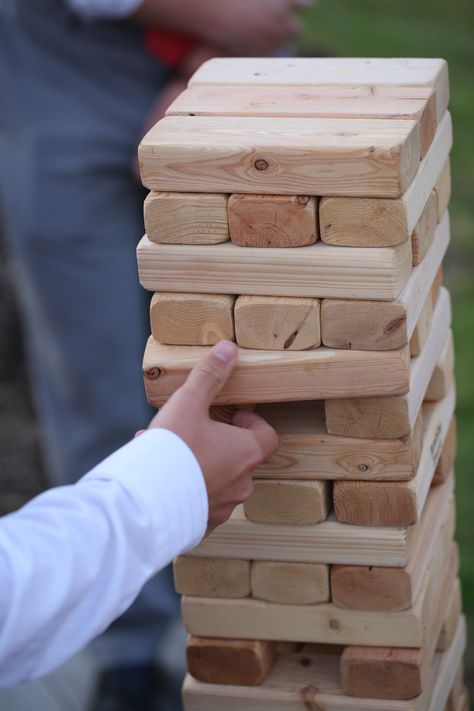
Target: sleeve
x=103, y=9
x=75, y=557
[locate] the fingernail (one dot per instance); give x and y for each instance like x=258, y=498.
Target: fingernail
x=225, y=351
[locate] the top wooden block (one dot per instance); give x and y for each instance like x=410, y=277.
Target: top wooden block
x=286, y=156
x=356, y=75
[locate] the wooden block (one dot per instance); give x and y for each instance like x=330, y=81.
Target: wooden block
x=306, y=102
x=274, y=376
x=273, y=220
x=295, y=503
x=383, y=77
x=307, y=451
x=226, y=661
x=387, y=417
x=396, y=503
x=311, y=680
x=316, y=271
x=277, y=323
x=424, y=232
x=186, y=218
x=357, y=587
x=443, y=189
x=457, y=690
x=422, y=329
x=290, y=583
x=356, y=222
x=192, y=319
x=211, y=577
x=447, y=456
x=371, y=325
x=442, y=378
x=451, y=619
x=437, y=284
x=281, y=156
x=323, y=623
x=399, y=673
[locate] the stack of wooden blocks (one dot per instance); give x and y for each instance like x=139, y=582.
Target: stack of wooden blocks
x=299, y=207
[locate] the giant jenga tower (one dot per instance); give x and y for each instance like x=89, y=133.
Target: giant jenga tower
x=299, y=206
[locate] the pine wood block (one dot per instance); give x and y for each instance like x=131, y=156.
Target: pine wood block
x=226, y=661
x=396, y=503
x=387, y=417
x=371, y=325
x=292, y=503
x=457, y=690
x=451, y=619
x=281, y=156
x=375, y=222
x=447, y=456
x=317, y=271
x=384, y=77
x=192, y=319
x=311, y=680
x=278, y=323
x=423, y=327
x=211, y=577
x=357, y=587
x=274, y=376
x=437, y=284
x=442, y=378
x=443, y=189
x=307, y=451
x=424, y=232
x=290, y=583
x=186, y=218
x=399, y=673
x=306, y=102
x=323, y=623
x=273, y=220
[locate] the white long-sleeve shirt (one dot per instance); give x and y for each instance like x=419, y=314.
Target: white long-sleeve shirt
x=74, y=558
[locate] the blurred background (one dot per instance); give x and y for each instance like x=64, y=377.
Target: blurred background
x=370, y=28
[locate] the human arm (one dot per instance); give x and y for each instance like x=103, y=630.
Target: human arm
x=75, y=558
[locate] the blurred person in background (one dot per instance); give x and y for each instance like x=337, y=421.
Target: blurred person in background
x=79, y=80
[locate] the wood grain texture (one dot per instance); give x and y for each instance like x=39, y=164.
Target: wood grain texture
x=311, y=680
x=273, y=220
x=281, y=156
x=186, y=218
x=289, y=503
x=451, y=619
x=357, y=74
x=447, y=456
x=443, y=189
x=192, y=319
x=369, y=325
x=290, y=583
x=277, y=323
x=323, y=623
x=423, y=327
x=306, y=102
x=393, y=417
x=400, y=673
x=272, y=376
x=218, y=661
x=307, y=451
x=211, y=577
x=424, y=232
x=356, y=222
x=442, y=378
x=316, y=271
x=377, y=588
x=397, y=503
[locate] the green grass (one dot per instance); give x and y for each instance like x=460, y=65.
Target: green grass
x=434, y=28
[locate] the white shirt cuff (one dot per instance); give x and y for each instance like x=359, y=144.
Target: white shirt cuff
x=98, y=9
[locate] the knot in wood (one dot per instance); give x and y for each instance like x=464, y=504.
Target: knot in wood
x=362, y=467
x=302, y=199
x=261, y=164
x=153, y=373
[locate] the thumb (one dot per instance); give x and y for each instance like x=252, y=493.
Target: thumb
x=209, y=376
x=265, y=435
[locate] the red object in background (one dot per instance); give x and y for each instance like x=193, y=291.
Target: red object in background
x=171, y=47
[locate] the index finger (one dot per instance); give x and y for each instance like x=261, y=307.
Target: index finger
x=265, y=435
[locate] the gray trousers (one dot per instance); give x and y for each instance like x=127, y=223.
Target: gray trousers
x=73, y=100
